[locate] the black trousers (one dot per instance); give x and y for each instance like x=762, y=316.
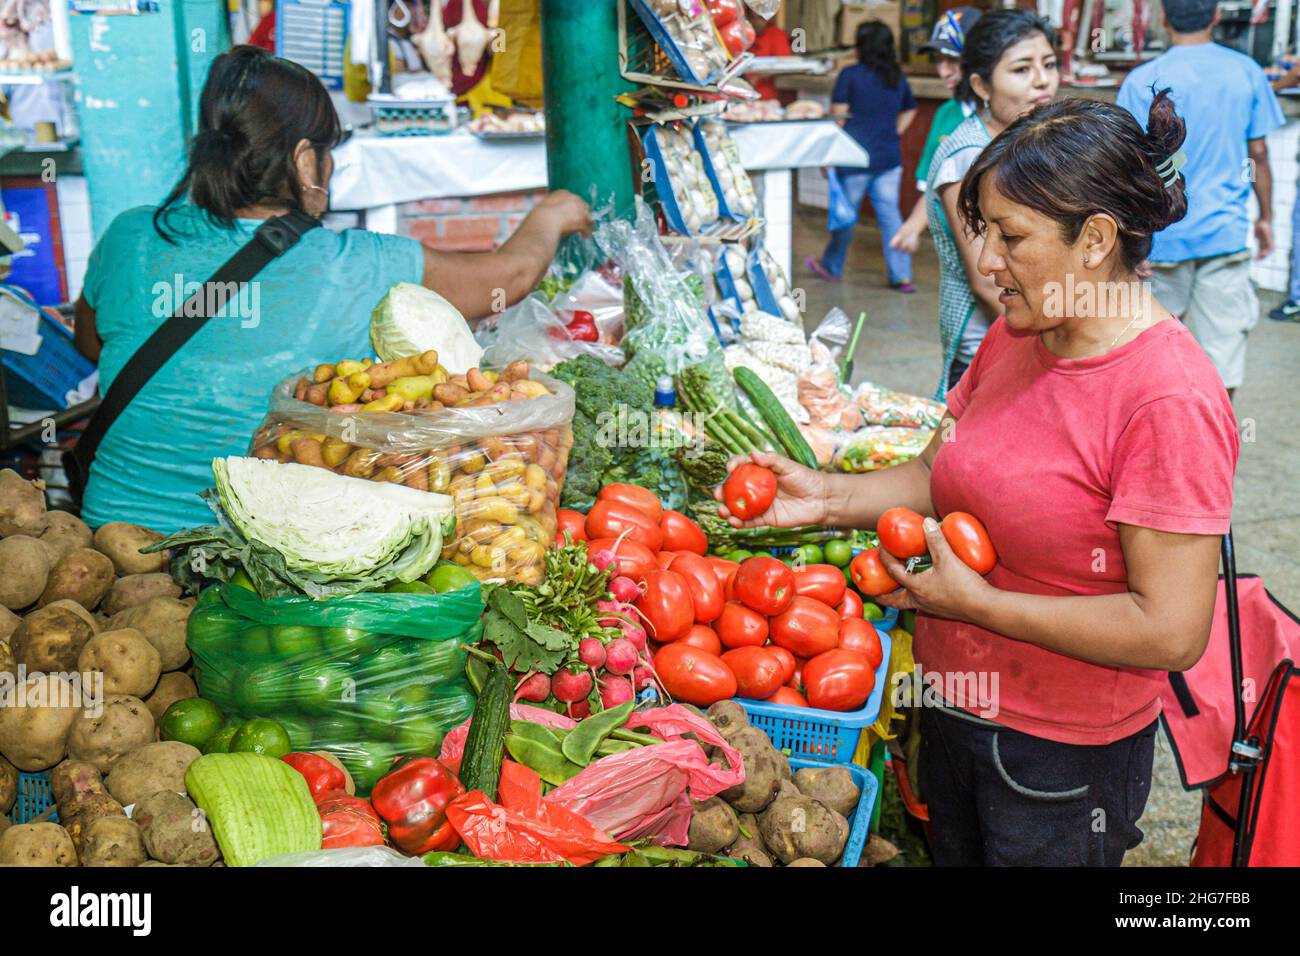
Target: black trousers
x=998, y=797
x=955, y=371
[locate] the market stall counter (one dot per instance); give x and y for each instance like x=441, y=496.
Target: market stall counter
x=381, y=176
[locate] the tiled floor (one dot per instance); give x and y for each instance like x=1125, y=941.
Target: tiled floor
x=900, y=348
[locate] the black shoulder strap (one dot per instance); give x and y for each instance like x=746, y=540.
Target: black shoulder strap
x=272, y=239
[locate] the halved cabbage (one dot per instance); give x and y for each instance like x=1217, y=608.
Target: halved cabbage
x=333, y=525
x=411, y=319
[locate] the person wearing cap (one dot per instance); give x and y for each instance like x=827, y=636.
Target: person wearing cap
x=1200, y=266
x=945, y=45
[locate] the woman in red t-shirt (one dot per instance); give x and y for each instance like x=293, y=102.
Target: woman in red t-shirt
x=1093, y=438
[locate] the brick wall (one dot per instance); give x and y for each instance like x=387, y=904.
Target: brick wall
x=475, y=224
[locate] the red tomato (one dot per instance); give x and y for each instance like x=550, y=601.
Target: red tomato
x=967, y=537
x=738, y=36
x=573, y=522
x=706, y=592
x=869, y=573
x=729, y=588
x=789, y=697
x=609, y=519
x=634, y=496
x=851, y=606
x=723, y=12
x=666, y=605
x=703, y=637
x=902, y=533
x=839, y=680
x=858, y=635
x=758, y=671
x=682, y=534
x=739, y=626
x=749, y=491
x=787, y=660
x=695, y=676
x=634, y=560
x=723, y=568
x=821, y=582
x=796, y=681
x=665, y=558
x=765, y=584
x=806, y=628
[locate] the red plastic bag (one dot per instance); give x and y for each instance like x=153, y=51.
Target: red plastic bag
x=523, y=828
x=648, y=791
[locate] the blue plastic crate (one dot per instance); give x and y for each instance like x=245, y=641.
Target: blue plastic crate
x=860, y=818
x=825, y=736
x=43, y=380
x=34, y=797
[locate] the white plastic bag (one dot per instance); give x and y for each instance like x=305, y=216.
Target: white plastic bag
x=366, y=856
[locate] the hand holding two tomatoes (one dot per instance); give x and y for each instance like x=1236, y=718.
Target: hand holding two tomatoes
x=801, y=493
x=949, y=588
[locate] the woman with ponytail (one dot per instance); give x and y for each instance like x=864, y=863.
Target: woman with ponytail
x=266, y=129
x=1093, y=439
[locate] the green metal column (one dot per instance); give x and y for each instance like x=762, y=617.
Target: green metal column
x=586, y=130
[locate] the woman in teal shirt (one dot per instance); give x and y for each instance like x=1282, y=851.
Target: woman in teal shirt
x=266, y=128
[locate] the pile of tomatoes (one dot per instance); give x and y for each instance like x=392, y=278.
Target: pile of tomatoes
x=902, y=534
x=755, y=629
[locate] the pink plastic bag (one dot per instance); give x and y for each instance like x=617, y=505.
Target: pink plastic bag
x=648, y=791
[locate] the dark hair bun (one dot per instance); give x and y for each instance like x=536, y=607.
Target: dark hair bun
x=1166, y=133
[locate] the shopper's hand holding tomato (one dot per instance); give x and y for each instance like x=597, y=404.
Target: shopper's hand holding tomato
x=749, y=490
x=902, y=532
x=801, y=493
x=949, y=588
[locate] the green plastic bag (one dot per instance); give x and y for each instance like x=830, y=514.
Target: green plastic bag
x=368, y=677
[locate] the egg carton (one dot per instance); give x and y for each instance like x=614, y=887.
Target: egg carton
x=690, y=205
x=727, y=174
x=685, y=32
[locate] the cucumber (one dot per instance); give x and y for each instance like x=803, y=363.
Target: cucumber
x=485, y=744
x=778, y=420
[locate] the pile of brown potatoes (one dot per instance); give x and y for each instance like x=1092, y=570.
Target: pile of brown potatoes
x=777, y=816
x=77, y=602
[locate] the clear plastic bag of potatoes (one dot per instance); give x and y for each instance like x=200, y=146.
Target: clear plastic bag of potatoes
x=501, y=457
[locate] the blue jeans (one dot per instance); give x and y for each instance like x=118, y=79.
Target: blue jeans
x=883, y=190
x=1294, y=294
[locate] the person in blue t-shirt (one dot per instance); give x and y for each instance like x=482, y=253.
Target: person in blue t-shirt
x=877, y=105
x=266, y=128
x=1201, y=266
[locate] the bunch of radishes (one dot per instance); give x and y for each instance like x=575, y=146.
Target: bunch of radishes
x=612, y=660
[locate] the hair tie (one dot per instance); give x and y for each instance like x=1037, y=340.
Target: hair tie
x=1168, y=170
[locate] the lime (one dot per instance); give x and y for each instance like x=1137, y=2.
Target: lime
x=261, y=736
x=241, y=579
x=379, y=715
x=216, y=687
x=262, y=689
x=347, y=643
x=740, y=554
x=839, y=553
x=334, y=730
x=298, y=728
x=294, y=641
x=219, y=743
x=811, y=554
x=367, y=762
x=213, y=628
x=449, y=576
x=409, y=587
x=256, y=642
x=191, y=721
x=418, y=735
x=380, y=667
x=872, y=612
x=321, y=688
x=412, y=696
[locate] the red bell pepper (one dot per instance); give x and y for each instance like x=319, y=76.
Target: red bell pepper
x=320, y=773
x=412, y=799
x=583, y=327
x=347, y=821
